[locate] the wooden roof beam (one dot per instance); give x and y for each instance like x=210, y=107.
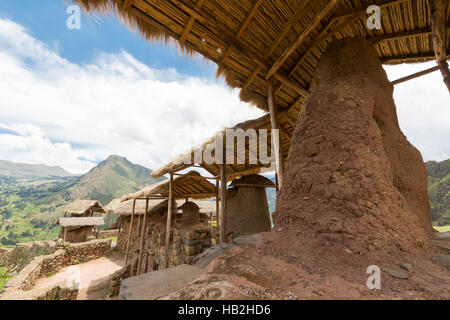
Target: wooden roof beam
x=190, y=23
x=231, y=40
x=328, y=32
x=127, y=4
x=415, y=75
x=313, y=24
x=293, y=19
x=439, y=34
x=422, y=57
x=242, y=28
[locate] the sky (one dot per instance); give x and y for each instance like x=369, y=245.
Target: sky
x=71, y=98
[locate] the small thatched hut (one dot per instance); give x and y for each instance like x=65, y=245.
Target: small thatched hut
x=79, y=229
x=84, y=208
x=81, y=224
x=247, y=207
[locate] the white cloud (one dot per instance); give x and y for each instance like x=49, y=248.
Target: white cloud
x=57, y=112
x=79, y=114
x=423, y=108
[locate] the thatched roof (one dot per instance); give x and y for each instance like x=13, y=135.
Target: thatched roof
x=186, y=186
x=84, y=206
x=206, y=206
x=287, y=125
x=253, y=180
x=114, y=204
x=126, y=207
x=253, y=40
x=81, y=221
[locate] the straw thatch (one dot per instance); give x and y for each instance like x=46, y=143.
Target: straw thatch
x=206, y=206
x=80, y=207
x=253, y=40
x=187, y=186
x=113, y=205
x=253, y=180
x=235, y=170
x=126, y=207
x=81, y=221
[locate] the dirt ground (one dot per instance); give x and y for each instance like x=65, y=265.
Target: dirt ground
x=270, y=267
x=93, y=276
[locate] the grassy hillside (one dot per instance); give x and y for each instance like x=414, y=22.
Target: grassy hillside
x=11, y=169
x=30, y=206
x=439, y=191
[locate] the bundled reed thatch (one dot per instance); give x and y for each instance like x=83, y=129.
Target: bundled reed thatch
x=186, y=186
x=126, y=207
x=81, y=221
x=253, y=180
x=253, y=40
x=234, y=169
x=80, y=207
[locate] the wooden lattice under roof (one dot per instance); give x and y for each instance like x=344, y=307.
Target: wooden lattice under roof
x=234, y=169
x=254, y=40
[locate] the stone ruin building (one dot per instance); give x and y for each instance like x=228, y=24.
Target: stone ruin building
x=247, y=207
x=79, y=223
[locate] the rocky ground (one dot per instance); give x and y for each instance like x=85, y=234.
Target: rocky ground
x=269, y=266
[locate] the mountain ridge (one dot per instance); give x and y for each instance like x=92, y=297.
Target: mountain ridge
x=15, y=169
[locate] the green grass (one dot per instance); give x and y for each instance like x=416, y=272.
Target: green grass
x=50, y=274
x=4, y=277
x=442, y=228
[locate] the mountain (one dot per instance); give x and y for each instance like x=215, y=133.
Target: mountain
x=11, y=169
x=439, y=191
x=30, y=205
x=110, y=179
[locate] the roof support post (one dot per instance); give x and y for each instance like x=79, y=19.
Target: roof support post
x=129, y=231
x=438, y=31
x=223, y=194
x=217, y=203
x=169, y=220
x=141, y=249
x=275, y=125
x=65, y=234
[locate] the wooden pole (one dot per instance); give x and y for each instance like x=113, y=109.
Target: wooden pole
x=129, y=232
x=65, y=233
x=223, y=195
x=415, y=75
x=169, y=220
x=141, y=249
x=275, y=125
x=439, y=36
x=217, y=204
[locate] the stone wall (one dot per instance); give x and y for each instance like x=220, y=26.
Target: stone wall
x=24, y=253
x=186, y=244
x=68, y=254
x=4, y=256
x=104, y=234
x=75, y=253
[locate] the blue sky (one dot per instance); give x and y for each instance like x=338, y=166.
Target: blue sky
x=73, y=97
x=47, y=21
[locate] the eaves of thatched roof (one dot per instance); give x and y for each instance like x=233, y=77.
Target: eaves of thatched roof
x=79, y=207
x=81, y=221
x=234, y=168
x=252, y=41
x=189, y=185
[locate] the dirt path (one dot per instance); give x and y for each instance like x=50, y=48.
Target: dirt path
x=93, y=276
